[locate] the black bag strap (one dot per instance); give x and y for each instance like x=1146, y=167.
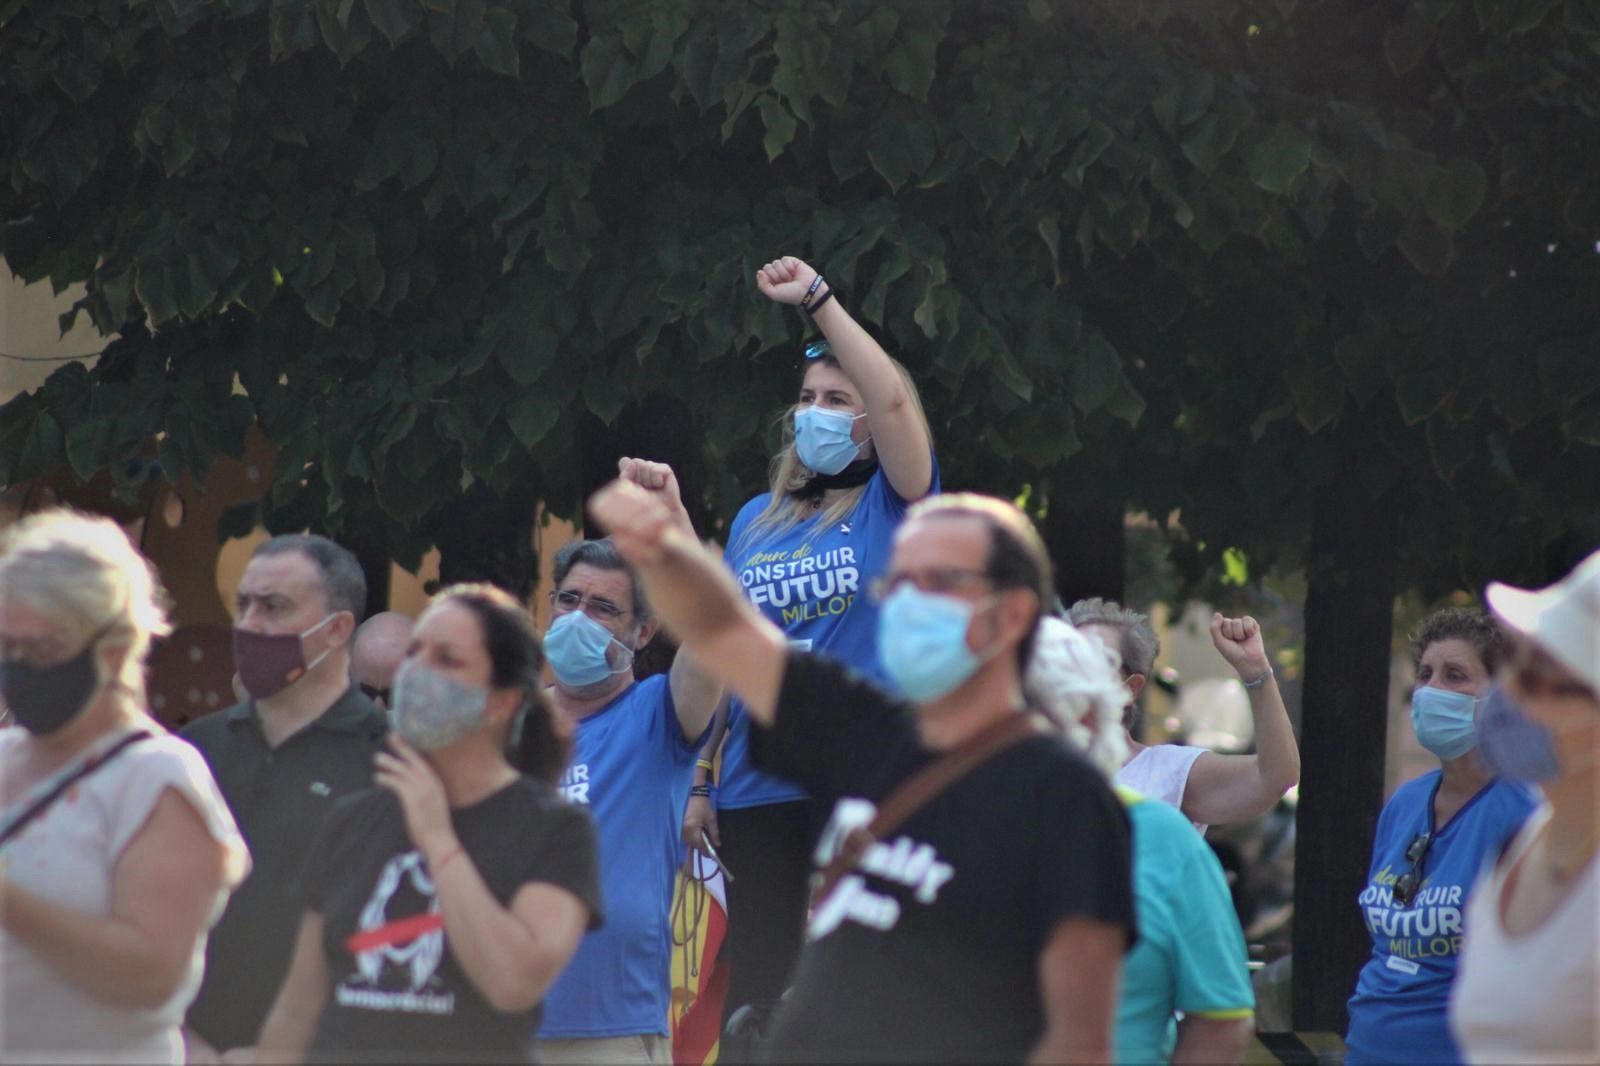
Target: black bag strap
x=83, y=770
x=913, y=793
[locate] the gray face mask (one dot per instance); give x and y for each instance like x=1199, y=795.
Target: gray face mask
x=432, y=711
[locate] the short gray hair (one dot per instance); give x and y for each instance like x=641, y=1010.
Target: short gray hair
x=601, y=554
x=1139, y=643
x=343, y=583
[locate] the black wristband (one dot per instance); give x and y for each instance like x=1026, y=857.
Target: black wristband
x=700, y=790
x=824, y=298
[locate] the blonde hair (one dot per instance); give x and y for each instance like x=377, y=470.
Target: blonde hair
x=787, y=475
x=1071, y=677
x=82, y=573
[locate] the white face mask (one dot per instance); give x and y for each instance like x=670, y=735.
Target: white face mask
x=432, y=711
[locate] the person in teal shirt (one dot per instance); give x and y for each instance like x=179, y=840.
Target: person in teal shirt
x=1190, y=957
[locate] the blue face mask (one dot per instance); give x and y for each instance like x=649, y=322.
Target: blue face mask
x=1510, y=744
x=579, y=650
x=922, y=642
x=1444, y=721
x=822, y=439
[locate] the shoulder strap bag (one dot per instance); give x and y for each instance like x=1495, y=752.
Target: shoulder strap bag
x=917, y=790
x=83, y=770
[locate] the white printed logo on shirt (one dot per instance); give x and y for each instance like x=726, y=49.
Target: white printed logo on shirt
x=397, y=960
x=902, y=860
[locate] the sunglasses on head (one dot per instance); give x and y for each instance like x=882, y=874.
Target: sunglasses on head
x=816, y=349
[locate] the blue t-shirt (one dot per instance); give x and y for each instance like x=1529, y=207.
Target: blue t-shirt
x=1398, y=1011
x=631, y=766
x=811, y=581
x=1191, y=955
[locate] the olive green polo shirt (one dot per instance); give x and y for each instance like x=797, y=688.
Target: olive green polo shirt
x=279, y=797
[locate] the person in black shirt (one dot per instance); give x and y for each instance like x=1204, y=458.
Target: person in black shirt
x=301, y=738
x=442, y=904
x=991, y=925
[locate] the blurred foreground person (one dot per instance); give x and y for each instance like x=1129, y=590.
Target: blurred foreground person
x=1433, y=838
x=116, y=850
x=1529, y=986
x=303, y=737
x=440, y=905
x=974, y=902
x=1210, y=788
x=375, y=653
x=1191, y=955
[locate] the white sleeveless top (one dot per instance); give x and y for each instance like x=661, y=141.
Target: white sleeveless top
x=68, y=855
x=1161, y=772
x=1531, y=998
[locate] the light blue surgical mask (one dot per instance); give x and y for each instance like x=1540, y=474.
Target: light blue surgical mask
x=1510, y=744
x=822, y=439
x=922, y=642
x=432, y=711
x=579, y=651
x=1444, y=721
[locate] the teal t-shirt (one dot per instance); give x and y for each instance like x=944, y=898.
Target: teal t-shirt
x=1191, y=955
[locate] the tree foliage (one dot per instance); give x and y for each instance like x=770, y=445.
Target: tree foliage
x=1215, y=253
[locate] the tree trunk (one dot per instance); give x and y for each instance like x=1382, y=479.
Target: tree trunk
x=490, y=538
x=1344, y=716
x=1086, y=537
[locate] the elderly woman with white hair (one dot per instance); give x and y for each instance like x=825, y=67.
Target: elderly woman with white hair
x=1191, y=953
x=117, y=852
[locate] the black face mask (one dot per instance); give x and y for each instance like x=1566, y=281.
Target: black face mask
x=45, y=698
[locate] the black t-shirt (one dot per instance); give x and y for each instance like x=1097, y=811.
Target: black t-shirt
x=929, y=950
x=398, y=993
x=279, y=796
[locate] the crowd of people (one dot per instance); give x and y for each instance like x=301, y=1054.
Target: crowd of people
x=455, y=839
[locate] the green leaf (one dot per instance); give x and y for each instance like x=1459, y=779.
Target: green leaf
x=1095, y=141
x=1425, y=247
x=994, y=135
x=1317, y=385
x=1276, y=162
x=531, y=416
x=393, y=18
x=1235, y=567
x=41, y=446
x=1094, y=374
x=780, y=125
x=495, y=48
x=899, y=148
x=1455, y=193
x=910, y=67
x=607, y=71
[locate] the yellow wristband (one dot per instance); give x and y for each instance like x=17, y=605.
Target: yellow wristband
x=703, y=764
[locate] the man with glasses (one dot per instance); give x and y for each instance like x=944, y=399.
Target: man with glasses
x=989, y=924
x=632, y=760
x=376, y=651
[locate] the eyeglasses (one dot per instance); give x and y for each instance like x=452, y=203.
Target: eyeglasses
x=939, y=579
x=376, y=694
x=1405, y=889
x=817, y=349
x=594, y=606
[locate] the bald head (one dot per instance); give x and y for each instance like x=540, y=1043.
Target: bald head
x=379, y=645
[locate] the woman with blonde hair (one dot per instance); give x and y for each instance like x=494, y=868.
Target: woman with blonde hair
x=1190, y=957
x=857, y=452
x=117, y=852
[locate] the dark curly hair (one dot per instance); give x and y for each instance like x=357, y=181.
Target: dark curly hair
x=538, y=748
x=1470, y=624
